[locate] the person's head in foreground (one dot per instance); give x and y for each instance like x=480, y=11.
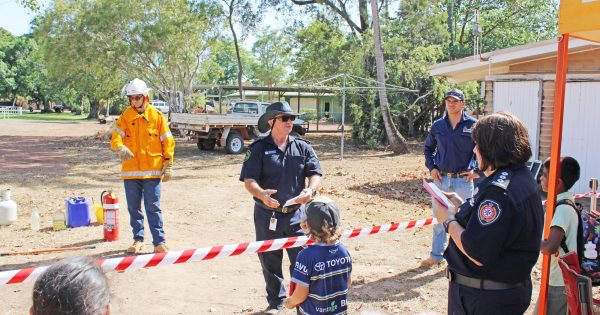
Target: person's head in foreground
x=73, y=286
x=501, y=140
x=322, y=220
x=569, y=174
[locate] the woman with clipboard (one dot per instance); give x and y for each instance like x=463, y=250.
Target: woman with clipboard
x=495, y=236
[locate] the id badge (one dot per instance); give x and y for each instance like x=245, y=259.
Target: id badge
x=273, y=223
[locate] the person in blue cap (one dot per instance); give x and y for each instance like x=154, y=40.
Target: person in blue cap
x=278, y=168
x=450, y=160
x=322, y=272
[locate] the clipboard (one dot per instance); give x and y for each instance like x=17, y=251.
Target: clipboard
x=437, y=194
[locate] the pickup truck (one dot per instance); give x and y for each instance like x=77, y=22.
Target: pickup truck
x=58, y=108
x=229, y=130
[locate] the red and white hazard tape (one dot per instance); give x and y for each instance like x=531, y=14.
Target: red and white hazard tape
x=586, y=195
x=206, y=253
x=576, y=196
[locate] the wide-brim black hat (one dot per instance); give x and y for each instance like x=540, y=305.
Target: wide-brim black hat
x=273, y=110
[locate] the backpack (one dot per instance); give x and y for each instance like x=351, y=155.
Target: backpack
x=588, y=242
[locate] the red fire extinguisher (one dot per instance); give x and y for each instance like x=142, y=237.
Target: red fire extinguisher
x=110, y=204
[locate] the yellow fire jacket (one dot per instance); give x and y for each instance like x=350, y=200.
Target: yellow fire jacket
x=147, y=135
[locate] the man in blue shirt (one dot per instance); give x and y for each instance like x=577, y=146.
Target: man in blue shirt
x=275, y=170
x=449, y=157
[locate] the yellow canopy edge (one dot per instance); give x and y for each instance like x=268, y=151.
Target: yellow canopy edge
x=580, y=18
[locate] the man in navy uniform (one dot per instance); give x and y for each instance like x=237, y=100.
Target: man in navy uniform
x=275, y=170
x=449, y=158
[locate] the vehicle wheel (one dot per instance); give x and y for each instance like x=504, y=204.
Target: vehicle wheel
x=235, y=143
x=206, y=144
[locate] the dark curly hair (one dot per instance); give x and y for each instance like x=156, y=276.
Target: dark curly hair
x=502, y=140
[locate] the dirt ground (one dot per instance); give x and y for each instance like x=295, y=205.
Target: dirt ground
x=204, y=205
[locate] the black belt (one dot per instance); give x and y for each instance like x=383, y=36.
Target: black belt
x=481, y=284
x=455, y=175
x=283, y=210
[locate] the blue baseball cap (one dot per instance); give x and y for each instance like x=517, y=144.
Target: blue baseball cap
x=456, y=94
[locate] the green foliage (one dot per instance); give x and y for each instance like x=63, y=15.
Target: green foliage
x=271, y=57
x=17, y=65
x=87, y=49
x=33, y=5
x=505, y=23
x=222, y=66
x=95, y=46
x=322, y=50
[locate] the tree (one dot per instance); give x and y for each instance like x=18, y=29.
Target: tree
x=240, y=12
x=95, y=46
x=272, y=55
x=32, y=5
x=322, y=49
x=223, y=66
x=19, y=66
x=397, y=142
x=505, y=23
x=343, y=9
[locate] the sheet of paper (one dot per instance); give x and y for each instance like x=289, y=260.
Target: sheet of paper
x=292, y=201
x=436, y=193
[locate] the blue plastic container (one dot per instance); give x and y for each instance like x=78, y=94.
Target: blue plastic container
x=78, y=211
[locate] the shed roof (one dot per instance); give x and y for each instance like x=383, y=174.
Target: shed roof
x=476, y=68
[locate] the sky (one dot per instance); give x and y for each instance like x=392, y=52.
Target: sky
x=14, y=17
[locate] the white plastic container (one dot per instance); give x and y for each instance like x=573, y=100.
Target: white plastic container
x=35, y=219
x=8, y=208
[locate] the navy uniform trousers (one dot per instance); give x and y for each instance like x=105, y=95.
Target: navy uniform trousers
x=464, y=300
x=271, y=262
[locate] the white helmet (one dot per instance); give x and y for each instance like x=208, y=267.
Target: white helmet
x=135, y=87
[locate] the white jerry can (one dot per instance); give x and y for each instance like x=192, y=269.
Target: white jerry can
x=8, y=208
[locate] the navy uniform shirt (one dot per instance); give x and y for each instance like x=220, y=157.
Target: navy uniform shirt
x=284, y=171
x=447, y=149
x=503, y=228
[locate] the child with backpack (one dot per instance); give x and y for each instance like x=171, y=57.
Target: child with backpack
x=322, y=271
x=563, y=231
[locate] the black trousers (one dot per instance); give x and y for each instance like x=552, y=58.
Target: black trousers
x=469, y=301
x=271, y=262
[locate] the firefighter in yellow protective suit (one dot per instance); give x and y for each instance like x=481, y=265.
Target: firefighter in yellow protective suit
x=146, y=146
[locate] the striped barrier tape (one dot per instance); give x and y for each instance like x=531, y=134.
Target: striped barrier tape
x=206, y=253
x=589, y=194
x=576, y=196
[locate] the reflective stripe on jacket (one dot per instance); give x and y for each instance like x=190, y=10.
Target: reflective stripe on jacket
x=147, y=135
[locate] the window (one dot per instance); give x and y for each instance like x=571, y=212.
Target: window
x=246, y=108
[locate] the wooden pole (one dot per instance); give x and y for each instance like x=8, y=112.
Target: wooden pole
x=49, y=250
x=557, y=124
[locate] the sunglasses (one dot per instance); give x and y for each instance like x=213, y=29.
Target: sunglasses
x=136, y=97
x=285, y=118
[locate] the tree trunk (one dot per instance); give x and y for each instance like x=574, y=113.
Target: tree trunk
x=397, y=142
x=450, y=24
x=94, y=109
x=364, y=15
x=237, y=49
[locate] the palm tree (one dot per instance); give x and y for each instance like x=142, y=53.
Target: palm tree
x=397, y=142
